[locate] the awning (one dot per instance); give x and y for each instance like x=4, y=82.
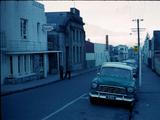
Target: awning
x=31, y=52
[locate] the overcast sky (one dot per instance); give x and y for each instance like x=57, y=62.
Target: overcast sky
x=113, y=18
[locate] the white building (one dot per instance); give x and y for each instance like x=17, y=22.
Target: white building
x=122, y=52
x=101, y=54
x=24, y=42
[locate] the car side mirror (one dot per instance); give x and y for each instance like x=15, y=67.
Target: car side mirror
x=98, y=69
x=98, y=74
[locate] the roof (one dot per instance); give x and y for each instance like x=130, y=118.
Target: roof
x=117, y=65
x=62, y=18
x=59, y=18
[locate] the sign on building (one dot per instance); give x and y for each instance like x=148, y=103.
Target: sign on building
x=135, y=48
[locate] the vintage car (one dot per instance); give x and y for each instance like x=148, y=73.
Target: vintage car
x=115, y=81
x=133, y=64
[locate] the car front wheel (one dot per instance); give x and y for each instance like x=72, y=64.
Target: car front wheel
x=131, y=104
x=92, y=100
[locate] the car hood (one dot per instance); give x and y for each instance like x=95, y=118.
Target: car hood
x=115, y=81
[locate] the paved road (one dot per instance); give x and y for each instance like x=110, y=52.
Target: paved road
x=64, y=100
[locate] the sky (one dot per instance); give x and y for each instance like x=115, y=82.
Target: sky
x=113, y=18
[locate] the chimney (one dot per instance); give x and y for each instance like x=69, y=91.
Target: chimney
x=75, y=11
x=107, y=42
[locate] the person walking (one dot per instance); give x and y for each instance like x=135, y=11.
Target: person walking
x=68, y=72
x=61, y=72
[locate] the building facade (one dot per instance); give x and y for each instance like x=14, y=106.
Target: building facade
x=96, y=54
x=90, y=54
x=101, y=54
x=132, y=53
x=146, y=51
x=68, y=36
x=113, y=53
x=24, y=44
x=122, y=52
x=156, y=51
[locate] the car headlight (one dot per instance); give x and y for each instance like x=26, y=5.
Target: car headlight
x=130, y=89
x=94, y=85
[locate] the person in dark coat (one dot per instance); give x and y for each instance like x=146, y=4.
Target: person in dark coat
x=68, y=72
x=61, y=72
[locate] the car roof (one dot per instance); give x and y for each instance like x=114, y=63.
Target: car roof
x=130, y=61
x=117, y=65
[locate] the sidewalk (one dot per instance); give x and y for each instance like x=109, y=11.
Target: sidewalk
x=14, y=88
x=148, y=104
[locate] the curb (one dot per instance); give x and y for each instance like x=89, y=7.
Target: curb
x=43, y=84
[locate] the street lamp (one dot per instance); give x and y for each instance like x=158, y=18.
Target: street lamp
x=139, y=51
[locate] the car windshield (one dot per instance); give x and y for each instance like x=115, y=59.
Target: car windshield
x=116, y=72
x=131, y=64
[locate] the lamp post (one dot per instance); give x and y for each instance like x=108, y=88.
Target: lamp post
x=139, y=51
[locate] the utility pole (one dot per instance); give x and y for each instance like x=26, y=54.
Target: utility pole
x=139, y=52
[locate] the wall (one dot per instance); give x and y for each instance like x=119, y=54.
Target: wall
x=101, y=55
x=157, y=63
x=11, y=13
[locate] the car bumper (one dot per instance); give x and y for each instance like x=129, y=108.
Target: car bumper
x=110, y=96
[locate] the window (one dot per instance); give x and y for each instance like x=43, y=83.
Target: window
x=80, y=54
x=74, y=34
x=19, y=64
x=77, y=36
x=31, y=63
x=77, y=55
x=11, y=65
x=73, y=54
x=38, y=30
x=24, y=23
x=25, y=63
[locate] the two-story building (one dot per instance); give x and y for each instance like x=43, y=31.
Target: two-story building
x=24, y=41
x=122, y=52
x=68, y=37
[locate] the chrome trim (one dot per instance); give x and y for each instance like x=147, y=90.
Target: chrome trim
x=114, y=87
x=99, y=92
x=116, y=97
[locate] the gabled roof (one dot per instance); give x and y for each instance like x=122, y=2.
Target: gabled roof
x=62, y=18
